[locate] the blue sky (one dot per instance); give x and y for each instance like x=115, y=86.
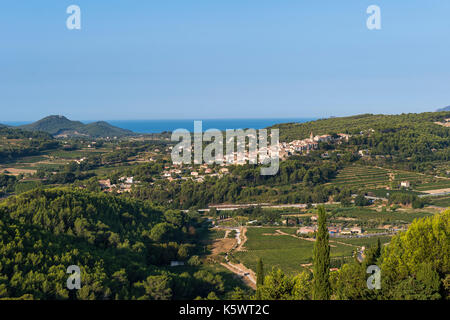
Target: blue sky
x=222, y=59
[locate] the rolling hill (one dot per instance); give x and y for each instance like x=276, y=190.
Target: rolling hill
x=443, y=109
x=60, y=126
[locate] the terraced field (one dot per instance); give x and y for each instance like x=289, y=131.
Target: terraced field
x=374, y=177
x=359, y=176
x=439, y=184
x=443, y=201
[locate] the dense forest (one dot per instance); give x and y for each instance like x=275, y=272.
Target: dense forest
x=123, y=248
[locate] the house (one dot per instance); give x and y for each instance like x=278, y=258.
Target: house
x=333, y=230
x=356, y=230
x=322, y=138
x=405, y=184
x=127, y=180
x=306, y=230
x=346, y=232
x=363, y=153
x=344, y=136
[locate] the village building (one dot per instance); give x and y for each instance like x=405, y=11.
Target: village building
x=405, y=184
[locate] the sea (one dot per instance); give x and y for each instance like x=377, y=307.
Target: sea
x=158, y=126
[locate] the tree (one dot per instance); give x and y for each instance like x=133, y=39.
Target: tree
x=372, y=254
x=302, y=286
x=277, y=286
x=260, y=273
x=361, y=200
x=349, y=283
x=416, y=261
x=156, y=288
x=321, y=280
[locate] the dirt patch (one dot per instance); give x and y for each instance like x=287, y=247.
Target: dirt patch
x=243, y=239
x=281, y=233
x=245, y=274
x=16, y=172
x=222, y=245
x=437, y=191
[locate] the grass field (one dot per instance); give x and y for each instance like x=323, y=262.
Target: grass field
x=366, y=214
x=282, y=251
x=366, y=242
x=383, y=193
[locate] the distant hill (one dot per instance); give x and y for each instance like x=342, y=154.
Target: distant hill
x=398, y=125
x=443, y=109
x=60, y=126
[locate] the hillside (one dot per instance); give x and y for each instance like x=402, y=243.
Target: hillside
x=443, y=109
x=404, y=135
x=356, y=124
x=122, y=246
x=60, y=126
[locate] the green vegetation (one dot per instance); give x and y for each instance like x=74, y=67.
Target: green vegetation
x=321, y=281
x=443, y=201
x=123, y=248
x=124, y=235
x=414, y=266
x=260, y=273
x=285, y=252
x=60, y=125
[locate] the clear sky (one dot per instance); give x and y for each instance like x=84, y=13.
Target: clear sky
x=222, y=59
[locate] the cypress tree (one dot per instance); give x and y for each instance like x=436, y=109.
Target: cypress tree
x=260, y=273
x=321, y=281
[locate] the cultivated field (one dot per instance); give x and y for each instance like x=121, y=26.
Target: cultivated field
x=443, y=201
x=373, y=178
x=286, y=252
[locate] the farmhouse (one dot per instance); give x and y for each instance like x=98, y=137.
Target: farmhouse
x=306, y=230
x=405, y=184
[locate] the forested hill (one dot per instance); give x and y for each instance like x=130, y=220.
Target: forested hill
x=403, y=135
x=355, y=124
x=122, y=247
x=24, y=143
x=444, y=109
x=61, y=126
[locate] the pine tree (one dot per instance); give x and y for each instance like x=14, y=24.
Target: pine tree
x=260, y=273
x=321, y=281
